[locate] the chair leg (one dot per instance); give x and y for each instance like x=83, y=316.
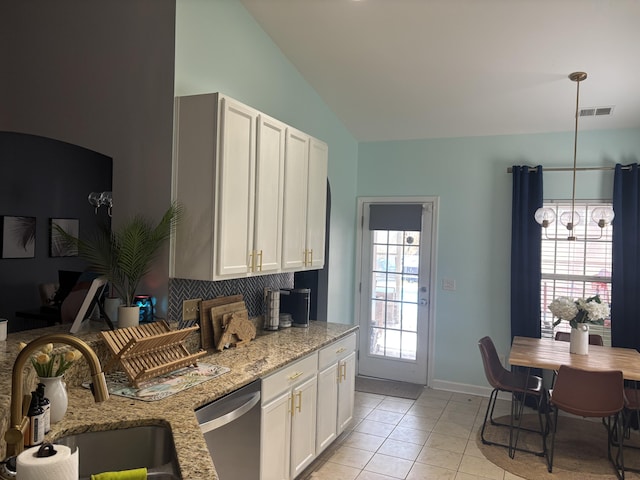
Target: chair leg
x=490, y=407
x=553, y=441
x=620, y=463
x=615, y=438
x=542, y=431
x=516, y=411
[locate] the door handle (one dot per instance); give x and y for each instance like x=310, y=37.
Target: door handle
x=423, y=301
x=299, y=395
x=295, y=375
x=343, y=372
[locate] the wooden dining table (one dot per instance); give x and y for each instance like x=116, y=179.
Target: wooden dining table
x=550, y=354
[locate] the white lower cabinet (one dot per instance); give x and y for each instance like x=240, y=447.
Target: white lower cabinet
x=303, y=426
x=336, y=387
x=346, y=391
x=275, y=438
x=305, y=406
x=288, y=430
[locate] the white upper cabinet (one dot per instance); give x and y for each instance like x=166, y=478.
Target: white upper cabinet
x=267, y=239
x=234, y=171
x=294, y=220
x=305, y=202
x=235, y=187
x=317, y=203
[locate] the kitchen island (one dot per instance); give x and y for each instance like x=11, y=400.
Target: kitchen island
x=268, y=352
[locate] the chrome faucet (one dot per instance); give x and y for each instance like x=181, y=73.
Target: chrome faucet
x=14, y=436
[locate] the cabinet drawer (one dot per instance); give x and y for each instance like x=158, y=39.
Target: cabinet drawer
x=288, y=376
x=336, y=351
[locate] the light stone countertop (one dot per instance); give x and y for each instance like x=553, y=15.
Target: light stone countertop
x=266, y=353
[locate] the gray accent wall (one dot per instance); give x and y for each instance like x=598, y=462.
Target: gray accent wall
x=44, y=178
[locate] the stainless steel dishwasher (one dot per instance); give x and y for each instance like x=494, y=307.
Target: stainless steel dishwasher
x=231, y=427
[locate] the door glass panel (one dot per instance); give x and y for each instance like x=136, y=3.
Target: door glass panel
x=394, y=312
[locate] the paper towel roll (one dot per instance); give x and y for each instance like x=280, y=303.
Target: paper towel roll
x=61, y=466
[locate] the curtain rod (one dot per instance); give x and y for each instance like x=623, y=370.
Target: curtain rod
x=570, y=169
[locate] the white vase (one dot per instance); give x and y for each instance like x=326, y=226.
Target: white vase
x=579, y=339
x=111, y=305
x=56, y=391
x=128, y=316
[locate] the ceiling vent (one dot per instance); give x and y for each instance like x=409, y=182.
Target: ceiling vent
x=596, y=111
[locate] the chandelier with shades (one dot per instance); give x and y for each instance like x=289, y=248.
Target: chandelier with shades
x=602, y=216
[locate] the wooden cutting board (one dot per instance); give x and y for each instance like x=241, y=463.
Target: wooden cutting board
x=206, y=329
x=237, y=330
x=217, y=314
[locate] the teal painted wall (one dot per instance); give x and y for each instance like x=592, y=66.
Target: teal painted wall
x=220, y=48
x=474, y=232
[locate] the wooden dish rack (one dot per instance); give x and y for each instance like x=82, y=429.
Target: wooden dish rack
x=147, y=351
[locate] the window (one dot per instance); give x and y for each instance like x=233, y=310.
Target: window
x=394, y=302
x=577, y=268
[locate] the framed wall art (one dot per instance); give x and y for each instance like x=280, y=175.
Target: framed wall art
x=18, y=237
x=57, y=246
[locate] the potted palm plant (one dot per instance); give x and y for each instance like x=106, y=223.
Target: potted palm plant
x=124, y=255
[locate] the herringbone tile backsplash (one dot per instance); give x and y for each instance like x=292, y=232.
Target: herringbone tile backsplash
x=251, y=288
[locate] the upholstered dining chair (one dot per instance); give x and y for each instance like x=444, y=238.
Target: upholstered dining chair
x=590, y=394
x=520, y=386
x=594, y=338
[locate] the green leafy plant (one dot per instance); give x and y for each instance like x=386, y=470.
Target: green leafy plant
x=124, y=255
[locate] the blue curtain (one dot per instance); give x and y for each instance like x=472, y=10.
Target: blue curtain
x=625, y=273
x=525, y=252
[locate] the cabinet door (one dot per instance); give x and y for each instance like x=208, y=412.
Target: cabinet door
x=303, y=426
x=326, y=431
x=268, y=201
x=317, y=203
x=346, y=390
x=235, y=187
x=294, y=220
x=275, y=438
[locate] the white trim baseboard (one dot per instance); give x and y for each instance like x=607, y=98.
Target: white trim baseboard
x=466, y=389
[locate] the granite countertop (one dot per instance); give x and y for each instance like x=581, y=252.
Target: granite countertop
x=265, y=354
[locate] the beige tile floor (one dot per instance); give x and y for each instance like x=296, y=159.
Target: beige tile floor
x=390, y=438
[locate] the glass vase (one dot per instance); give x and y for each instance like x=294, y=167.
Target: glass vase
x=56, y=391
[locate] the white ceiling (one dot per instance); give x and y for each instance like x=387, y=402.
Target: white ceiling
x=406, y=69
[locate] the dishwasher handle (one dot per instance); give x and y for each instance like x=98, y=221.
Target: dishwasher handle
x=231, y=416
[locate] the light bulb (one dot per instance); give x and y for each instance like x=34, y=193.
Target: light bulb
x=545, y=216
x=570, y=219
x=603, y=216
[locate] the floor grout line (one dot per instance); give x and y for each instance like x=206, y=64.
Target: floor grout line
x=372, y=403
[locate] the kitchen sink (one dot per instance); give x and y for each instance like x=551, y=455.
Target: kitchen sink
x=149, y=446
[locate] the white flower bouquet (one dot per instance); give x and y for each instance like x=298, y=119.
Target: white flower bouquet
x=591, y=310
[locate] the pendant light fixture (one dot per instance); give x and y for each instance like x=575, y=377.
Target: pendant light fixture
x=602, y=216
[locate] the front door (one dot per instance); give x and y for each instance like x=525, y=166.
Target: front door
x=396, y=257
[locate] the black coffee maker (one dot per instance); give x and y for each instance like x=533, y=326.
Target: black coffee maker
x=296, y=301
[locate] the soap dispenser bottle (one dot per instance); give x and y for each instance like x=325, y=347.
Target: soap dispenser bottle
x=46, y=406
x=35, y=432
